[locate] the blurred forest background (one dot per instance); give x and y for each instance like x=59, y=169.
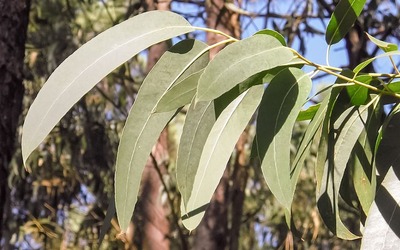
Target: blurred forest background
x=61, y=201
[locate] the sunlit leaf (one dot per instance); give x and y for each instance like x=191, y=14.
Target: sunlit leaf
x=364, y=64
x=180, y=94
x=272, y=33
x=320, y=116
x=383, y=45
x=345, y=133
x=394, y=86
x=199, y=120
x=143, y=127
x=382, y=228
x=89, y=64
x=239, y=61
x=309, y=113
x=359, y=94
x=362, y=169
x=280, y=105
x=217, y=150
x=342, y=19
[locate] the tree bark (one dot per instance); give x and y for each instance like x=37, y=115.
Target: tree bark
x=13, y=27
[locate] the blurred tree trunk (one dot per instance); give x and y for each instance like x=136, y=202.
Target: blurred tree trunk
x=13, y=27
x=214, y=232
x=151, y=227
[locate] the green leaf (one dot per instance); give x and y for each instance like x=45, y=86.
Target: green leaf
x=89, y=64
x=272, y=33
x=363, y=168
x=349, y=126
x=382, y=228
x=199, y=121
x=281, y=103
x=217, y=150
x=239, y=61
x=180, y=94
x=394, y=86
x=383, y=45
x=309, y=113
x=342, y=19
x=359, y=94
x=143, y=127
x=364, y=64
x=319, y=117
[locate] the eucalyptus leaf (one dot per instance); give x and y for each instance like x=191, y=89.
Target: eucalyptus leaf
x=363, y=169
x=239, y=61
x=383, y=45
x=364, y=64
x=342, y=19
x=348, y=126
x=89, y=64
x=272, y=33
x=199, y=121
x=279, y=108
x=359, y=94
x=143, y=127
x=180, y=94
x=309, y=113
x=217, y=150
x=382, y=228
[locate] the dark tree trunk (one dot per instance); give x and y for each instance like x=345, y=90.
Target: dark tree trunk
x=13, y=27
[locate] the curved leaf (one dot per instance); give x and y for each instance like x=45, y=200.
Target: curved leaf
x=272, y=33
x=239, y=61
x=383, y=45
x=342, y=19
x=217, y=150
x=180, y=94
x=363, y=168
x=89, y=64
x=143, y=127
x=359, y=94
x=280, y=105
x=349, y=126
x=199, y=121
x=364, y=64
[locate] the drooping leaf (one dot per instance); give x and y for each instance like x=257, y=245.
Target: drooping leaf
x=272, y=33
x=363, y=169
x=89, y=64
x=359, y=94
x=382, y=228
x=364, y=64
x=348, y=126
x=180, y=94
x=319, y=118
x=309, y=113
x=199, y=121
x=143, y=127
x=383, y=45
x=280, y=105
x=217, y=150
x=239, y=61
x=342, y=19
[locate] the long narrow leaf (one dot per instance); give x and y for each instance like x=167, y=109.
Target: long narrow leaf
x=349, y=124
x=279, y=108
x=342, y=19
x=199, y=121
x=89, y=64
x=143, y=127
x=217, y=150
x=239, y=61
